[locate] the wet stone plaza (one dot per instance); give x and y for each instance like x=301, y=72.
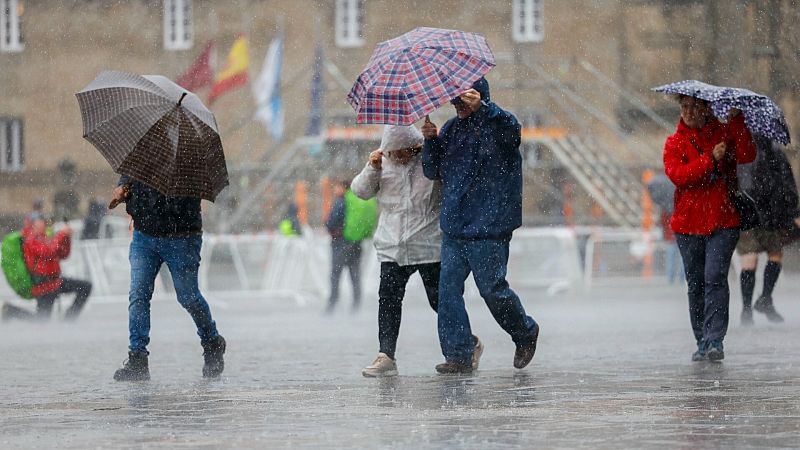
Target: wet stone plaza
x=613, y=370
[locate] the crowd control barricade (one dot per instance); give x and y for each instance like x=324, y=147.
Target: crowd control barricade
x=298, y=267
x=614, y=257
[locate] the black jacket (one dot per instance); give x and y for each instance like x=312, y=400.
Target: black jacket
x=770, y=182
x=157, y=215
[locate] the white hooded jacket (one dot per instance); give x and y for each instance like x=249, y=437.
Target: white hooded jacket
x=408, y=228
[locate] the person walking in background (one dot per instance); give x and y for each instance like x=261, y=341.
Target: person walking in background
x=166, y=230
x=662, y=192
x=43, y=257
x=770, y=182
x=700, y=158
x=408, y=238
x=476, y=156
x=91, y=223
x=350, y=221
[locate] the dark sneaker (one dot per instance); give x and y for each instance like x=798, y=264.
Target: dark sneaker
x=699, y=356
x=454, y=367
x=715, y=352
x=764, y=305
x=135, y=368
x=524, y=353
x=747, y=316
x=212, y=353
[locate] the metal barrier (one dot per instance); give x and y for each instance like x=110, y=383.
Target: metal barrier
x=622, y=256
x=299, y=267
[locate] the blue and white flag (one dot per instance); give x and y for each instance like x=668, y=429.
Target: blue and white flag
x=267, y=90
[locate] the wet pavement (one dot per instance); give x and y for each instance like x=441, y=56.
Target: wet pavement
x=612, y=371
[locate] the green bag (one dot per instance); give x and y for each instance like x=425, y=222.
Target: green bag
x=360, y=217
x=13, y=263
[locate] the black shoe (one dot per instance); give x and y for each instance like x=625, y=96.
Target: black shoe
x=135, y=368
x=764, y=305
x=715, y=352
x=212, y=353
x=747, y=316
x=524, y=353
x=454, y=367
x=699, y=356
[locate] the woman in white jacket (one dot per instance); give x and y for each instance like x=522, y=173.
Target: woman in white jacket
x=408, y=238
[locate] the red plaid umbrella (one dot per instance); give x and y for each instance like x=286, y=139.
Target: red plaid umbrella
x=410, y=76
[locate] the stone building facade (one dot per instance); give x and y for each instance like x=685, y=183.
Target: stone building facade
x=572, y=64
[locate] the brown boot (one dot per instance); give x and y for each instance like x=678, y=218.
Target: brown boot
x=454, y=367
x=524, y=353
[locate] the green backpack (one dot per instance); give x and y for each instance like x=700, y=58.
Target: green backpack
x=13, y=263
x=360, y=217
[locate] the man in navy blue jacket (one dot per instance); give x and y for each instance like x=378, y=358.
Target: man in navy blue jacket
x=476, y=155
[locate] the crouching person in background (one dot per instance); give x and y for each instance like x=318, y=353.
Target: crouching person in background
x=43, y=257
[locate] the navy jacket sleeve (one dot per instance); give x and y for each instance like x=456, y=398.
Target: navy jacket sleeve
x=432, y=152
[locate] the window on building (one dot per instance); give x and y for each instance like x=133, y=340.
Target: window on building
x=11, y=26
x=12, y=154
x=178, y=25
x=349, y=23
x=527, y=20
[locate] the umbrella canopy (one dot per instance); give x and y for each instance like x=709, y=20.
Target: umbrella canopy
x=761, y=114
x=154, y=131
x=410, y=76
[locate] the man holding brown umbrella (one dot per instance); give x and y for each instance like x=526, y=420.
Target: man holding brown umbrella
x=165, y=144
x=166, y=230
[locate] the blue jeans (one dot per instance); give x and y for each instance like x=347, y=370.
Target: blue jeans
x=182, y=256
x=487, y=260
x=707, y=260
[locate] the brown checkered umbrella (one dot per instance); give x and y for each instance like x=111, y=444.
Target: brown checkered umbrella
x=154, y=131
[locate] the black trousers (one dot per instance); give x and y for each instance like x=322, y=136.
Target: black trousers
x=391, y=293
x=44, y=303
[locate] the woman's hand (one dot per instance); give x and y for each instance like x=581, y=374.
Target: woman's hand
x=376, y=159
x=719, y=151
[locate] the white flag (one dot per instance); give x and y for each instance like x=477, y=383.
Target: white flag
x=267, y=90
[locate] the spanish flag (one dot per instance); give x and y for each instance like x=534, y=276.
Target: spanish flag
x=235, y=72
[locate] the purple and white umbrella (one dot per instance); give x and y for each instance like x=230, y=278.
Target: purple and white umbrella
x=761, y=115
x=411, y=75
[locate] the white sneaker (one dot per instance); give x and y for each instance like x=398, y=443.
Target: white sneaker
x=383, y=366
x=476, y=353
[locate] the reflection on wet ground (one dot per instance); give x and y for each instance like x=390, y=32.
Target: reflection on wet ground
x=612, y=371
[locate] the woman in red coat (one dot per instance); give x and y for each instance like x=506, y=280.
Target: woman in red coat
x=700, y=159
